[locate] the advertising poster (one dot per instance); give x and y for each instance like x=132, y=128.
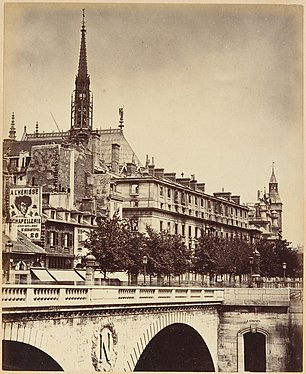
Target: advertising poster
x=25, y=210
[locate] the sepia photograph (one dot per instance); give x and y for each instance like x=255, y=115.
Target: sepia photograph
x=152, y=187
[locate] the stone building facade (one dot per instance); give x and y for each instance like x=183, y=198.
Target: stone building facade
x=180, y=205
x=266, y=213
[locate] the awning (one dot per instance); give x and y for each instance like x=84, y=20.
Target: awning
x=66, y=276
x=121, y=275
x=43, y=275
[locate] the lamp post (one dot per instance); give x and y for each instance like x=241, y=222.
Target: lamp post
x=284, y=268
x=9, y=249
x=144, y=262
x=251, y=261
x=257, y=267
x=257, y=261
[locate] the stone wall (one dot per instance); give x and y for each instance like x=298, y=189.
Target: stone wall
x=254, y=310
x=43, y=167
x=83, y=176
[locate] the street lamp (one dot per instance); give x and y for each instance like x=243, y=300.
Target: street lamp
x=144, y=262
x=251, y=261
x=9, y=249
x=284, y=268
x=257, y=261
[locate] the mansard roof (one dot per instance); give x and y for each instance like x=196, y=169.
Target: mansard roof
x=116, y=136
x=14, y=148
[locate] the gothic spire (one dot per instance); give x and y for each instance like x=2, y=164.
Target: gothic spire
x=12, y=132
x=273, y=184
x=82, y=104
x=82, y=70
x=273, y=177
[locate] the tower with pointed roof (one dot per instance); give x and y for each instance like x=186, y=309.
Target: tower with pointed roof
x=276, y=206
x=81, y=101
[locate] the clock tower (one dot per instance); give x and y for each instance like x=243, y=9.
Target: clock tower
x=81, y=100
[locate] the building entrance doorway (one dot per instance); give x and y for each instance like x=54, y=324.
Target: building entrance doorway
x=254, y=352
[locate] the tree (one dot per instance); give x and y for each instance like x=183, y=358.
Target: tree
x=272, y=255
x=107, y=242
x=215, y=255
x=204, y=257
x=167, y=254
x=135, y=248
x=157, y=252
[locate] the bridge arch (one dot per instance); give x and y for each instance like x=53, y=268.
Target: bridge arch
x=29, y=337
x=262, y=340
x=24, y=357
x=173, y=326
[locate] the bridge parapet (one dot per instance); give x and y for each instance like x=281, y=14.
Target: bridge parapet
x=257, y=296
x=21, y=296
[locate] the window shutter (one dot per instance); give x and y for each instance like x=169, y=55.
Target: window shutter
x=70, y=238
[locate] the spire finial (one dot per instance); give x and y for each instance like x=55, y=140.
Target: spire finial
x=12, y=132
x=82, y=71
x=121, y=120
x=83, y=24
x=273, y=177
x=36, y=128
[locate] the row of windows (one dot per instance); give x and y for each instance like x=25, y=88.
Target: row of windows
x=184, y=229
x=181, y=197
x=195, y=213
x=216, y=206
x=197, y=230
x=14, y=162
x=66, y=217
x=55, y=238
x=59, y=263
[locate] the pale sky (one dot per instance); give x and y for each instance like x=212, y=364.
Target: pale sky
x=210, y=90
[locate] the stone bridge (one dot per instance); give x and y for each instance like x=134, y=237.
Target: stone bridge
x=104, y=328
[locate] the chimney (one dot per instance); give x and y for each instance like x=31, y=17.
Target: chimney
x=95, y=147
x=147, y=161
x=115, y=158
x=183, y=181
x=170, y=176
x=151, y=170
x=201, y=186
x=159, y=173
x=236, y=199
x=131, y=168
x=193, y=182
